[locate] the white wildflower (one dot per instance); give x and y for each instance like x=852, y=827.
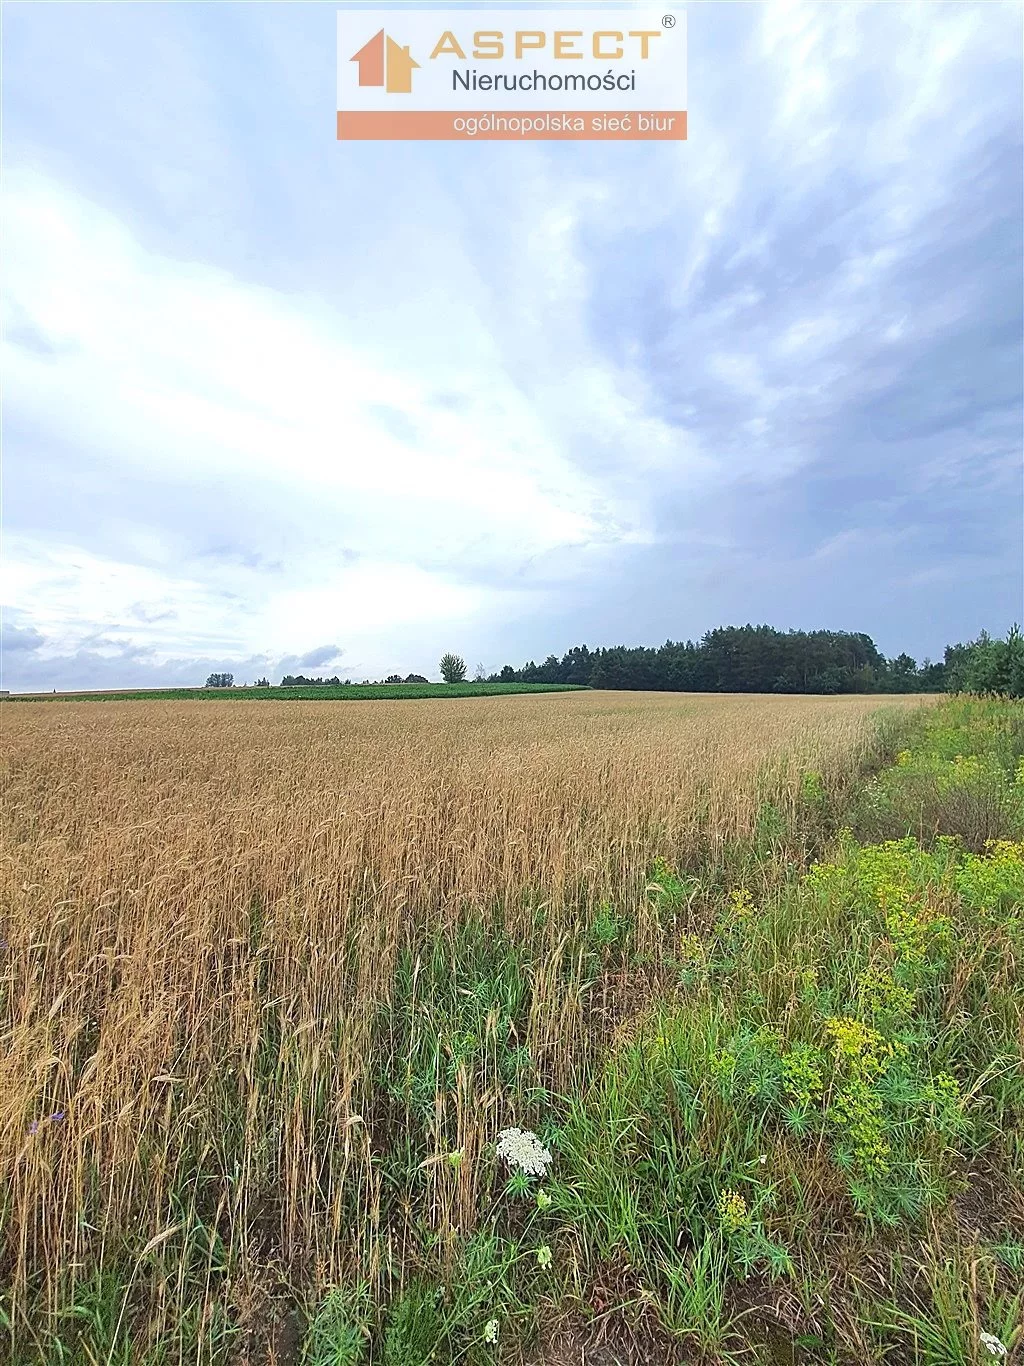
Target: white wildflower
x=544, y=1256
x=491, y=1330
x=524, y=1150
x=992, y=1344
x=763, y=1159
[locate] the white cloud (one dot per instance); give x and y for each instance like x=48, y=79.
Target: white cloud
x=188, y=377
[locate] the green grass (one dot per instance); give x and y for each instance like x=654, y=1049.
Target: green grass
x=352, y=692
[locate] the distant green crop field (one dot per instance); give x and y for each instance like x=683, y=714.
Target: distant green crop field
x=348, y=692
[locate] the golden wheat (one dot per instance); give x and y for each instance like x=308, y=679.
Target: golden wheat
x=183, y=882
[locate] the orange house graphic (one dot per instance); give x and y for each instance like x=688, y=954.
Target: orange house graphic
x=383, y=62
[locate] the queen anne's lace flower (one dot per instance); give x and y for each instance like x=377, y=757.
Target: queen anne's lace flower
x=524, y=1150
x=992, y=1344
x=491, y=1330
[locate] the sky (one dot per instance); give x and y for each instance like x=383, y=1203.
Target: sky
x=275, y=403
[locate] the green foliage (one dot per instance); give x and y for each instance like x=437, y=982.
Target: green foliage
x=762, y=659
x=803, y=1074
x=415, y=1326
x=668, y=888
x=97, y=1325
x=940, y=1326
x=453, y=668
x=993, y=668
x=964, y=777
x=693, y=1289
x=867, y=1015
x=813, y=797
x=460, y=1005
x=740, y=659
x=1010, y=1253
x=771, y=828
x=337, y=1333
x=608, y=928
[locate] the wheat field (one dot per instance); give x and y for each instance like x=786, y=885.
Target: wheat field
x=208, y=911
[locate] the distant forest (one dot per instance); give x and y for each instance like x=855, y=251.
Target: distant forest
x=761, y=659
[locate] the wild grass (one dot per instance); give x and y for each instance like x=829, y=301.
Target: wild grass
x=274, y=980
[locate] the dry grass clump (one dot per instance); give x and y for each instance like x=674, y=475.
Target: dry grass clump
x=208, y=911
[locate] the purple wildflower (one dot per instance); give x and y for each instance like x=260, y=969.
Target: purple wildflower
x=57, y=1117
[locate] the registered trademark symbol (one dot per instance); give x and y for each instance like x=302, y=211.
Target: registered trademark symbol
x=668, y=21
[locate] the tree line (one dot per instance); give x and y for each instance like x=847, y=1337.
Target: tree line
x=757, y=659
x=761, y=659
x=301, y=681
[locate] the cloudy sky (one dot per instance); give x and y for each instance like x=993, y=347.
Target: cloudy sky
x=274, y=402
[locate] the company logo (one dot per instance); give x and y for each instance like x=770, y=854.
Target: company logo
x=384, y=62
x=511, y=72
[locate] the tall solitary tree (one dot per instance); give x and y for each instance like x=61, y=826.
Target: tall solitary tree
x=453, y=668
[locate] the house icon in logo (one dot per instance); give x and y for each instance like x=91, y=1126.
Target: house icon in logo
x=383, y=62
